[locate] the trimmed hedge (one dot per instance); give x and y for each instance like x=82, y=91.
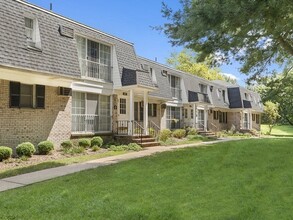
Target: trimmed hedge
x=66, y=145
x=25, y=149
x=84, y=142
x=45, y=147
x=5, y=153
x=97, y=141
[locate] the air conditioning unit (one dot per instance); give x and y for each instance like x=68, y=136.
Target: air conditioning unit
x=63, y=91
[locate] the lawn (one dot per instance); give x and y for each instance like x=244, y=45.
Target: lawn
x=247, y=179
x=279, y=130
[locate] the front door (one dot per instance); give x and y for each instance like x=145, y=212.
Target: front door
x=200, y=119
x=245, y=121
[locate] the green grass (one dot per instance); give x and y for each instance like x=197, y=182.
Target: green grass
x=247, y=179
x=279, y=130
x=56, y=163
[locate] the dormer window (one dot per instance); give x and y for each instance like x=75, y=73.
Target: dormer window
x=153, y=76
x=32, y=33
x=219, y=91
x=246, y=96
x=203, y=88
x=174, y=82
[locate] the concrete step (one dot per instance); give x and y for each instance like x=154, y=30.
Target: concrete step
x=150, y=144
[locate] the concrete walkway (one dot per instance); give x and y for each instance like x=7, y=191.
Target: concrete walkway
x=39, y=176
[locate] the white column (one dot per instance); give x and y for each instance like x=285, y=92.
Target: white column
x=194, y=115
x=145, y=116
x=131, y=112
x=241, y=119
x=250, y=120
x=205, y=118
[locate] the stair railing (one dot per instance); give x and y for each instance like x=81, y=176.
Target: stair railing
x=137, y=129
x=122, y=127
x=212, y=124
x=154, y=129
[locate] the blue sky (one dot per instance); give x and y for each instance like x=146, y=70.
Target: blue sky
x=130, y=20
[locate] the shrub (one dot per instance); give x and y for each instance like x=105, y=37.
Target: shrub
x=45, y=147
x=5, y=153
x=179, y=133
x=84, y=142
x=77, y=150
x=194, y=137
x=152, y=132
x=191, y=131
x=95, y=148
x=96, y=141
x=118, y=148
x=134, y=147
x=25, y=149
x=165, y=134
x=66, y=145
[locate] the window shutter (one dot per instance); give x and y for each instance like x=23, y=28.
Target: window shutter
x=14, y=94
x=40, y=96
x=155, y=110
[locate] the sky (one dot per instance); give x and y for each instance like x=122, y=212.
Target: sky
x=131, y=20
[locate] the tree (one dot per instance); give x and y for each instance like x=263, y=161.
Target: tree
x=271, y=114
x=255, y=33
x=186, y=61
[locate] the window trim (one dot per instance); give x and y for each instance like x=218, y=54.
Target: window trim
x=152, y=109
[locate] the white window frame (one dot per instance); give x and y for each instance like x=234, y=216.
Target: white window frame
x=122, y=106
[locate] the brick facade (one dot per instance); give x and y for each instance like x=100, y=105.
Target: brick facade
x=27, y=124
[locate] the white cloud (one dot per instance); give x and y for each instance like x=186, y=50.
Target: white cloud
x=230, y=75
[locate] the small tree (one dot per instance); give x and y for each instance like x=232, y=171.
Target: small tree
x=271, y=114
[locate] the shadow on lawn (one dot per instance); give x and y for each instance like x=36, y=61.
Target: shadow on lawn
x=29, y=169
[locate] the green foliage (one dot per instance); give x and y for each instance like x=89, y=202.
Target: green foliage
x=152, y=132
x=179, y=133
x=256, y=33
x=271, y=114
x=95, y=148
x=134, y=147
x=191, y=131
x=165, y=134
x=84, y=142
x=45, y=147
x=66, y=145
x=186, y=61
x=194, y=137
x=75, y=150
x=97, y=141
x=129, y=147
x=25, y=149
x=5, y=153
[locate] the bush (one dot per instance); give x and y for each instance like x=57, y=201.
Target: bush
x=165, y=134
x=134, y=147
x=191, y=131
x=5, y=153
x=25, y=149
x=119, y=148
x=84, y=142
x=45, y=147
x=152, y=132
x=179, y=133
x=66, y=145
x=95, y=148
x=76, y=150
x=194, y=137
x=96, y=141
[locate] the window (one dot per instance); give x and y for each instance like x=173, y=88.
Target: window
x=253, y=117
x=185, y=113
x=152, y=110
x=257, y=119
x=94, y=59
x=26, y=96
x=173, y=117
x=153, y=76
x=32, y=33
x=246, y=96
x=219, y=91
x=203, y=88
x=224, y=95
x=191, y=113
x=174, y=82
x=223, y=117
x=90, y=112
x=122, y=106
x=216, y=115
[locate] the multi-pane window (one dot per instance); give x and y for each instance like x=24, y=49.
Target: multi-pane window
x=90, y=112
x=223, y=117
x=257, y=119
x=173, y=117
x=253, y=117
x=216, y=115
x=122, y=106
x=94, y=59
x=185, y=113
x=174, y=82
x=191, y=113
x=152, y=110
x=224, y=95
x=26, y=96
x=203, y=88
x=29, y=29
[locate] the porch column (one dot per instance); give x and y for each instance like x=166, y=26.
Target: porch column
x=250, y=119
x=241, y=119
x=205, y=118
x=194, y=115
x=131, y=113
x=146, y=113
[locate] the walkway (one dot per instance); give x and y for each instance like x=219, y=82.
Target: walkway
x=39, y=176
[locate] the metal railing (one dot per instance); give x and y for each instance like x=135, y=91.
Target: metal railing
x=214, y=126
x=88, y=123
x=95, y=70
x=137, y=130
x=154, y=129
x=122, y=127
x=176, y=93
x=200, y=124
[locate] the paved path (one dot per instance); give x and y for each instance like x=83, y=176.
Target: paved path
x=39, y=176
